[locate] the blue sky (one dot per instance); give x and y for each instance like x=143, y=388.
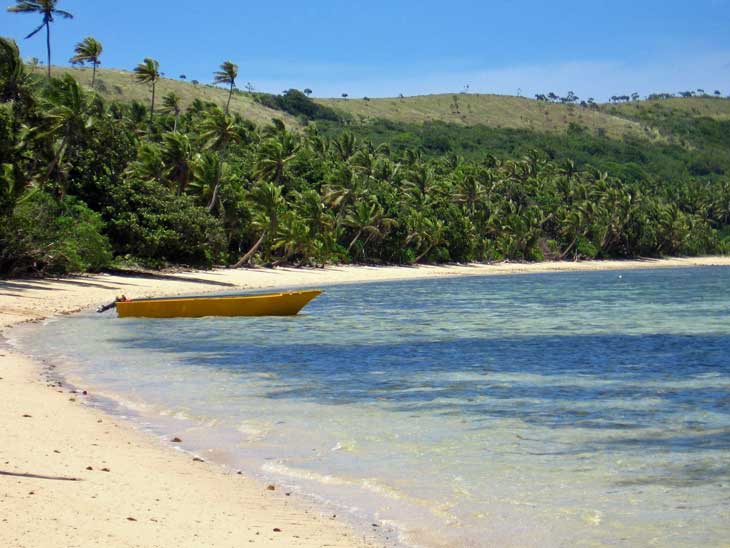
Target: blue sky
x=383, y=48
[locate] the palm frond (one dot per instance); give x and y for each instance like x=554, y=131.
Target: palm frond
x=36, y=30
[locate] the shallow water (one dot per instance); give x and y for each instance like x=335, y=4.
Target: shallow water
x=562, y=409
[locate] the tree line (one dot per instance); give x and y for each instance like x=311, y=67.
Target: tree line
x=86, y=183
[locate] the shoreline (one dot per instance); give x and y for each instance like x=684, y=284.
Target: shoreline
x=152, y=495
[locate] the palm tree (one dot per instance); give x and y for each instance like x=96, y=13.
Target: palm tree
x=49, y=11
x=68, y=116
x=218, y=131
x=171, y=105
x=367, y=217
x=292, y=236
x=88, y=51
x=15, y=83
x=209, y=172
x=148, y=72
x=273, y=156
x=267, y=203
x=227, y=75
x=178, y=156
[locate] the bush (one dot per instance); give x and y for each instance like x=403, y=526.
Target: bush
x=147, y=221
x=296, y=103
x=47, y=236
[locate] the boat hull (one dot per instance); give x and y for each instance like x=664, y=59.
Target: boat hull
x=269, y=304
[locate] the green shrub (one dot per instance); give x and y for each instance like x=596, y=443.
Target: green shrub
x=147, y=221
x=47, y=236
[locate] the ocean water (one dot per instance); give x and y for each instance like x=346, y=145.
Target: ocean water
x=561, y=409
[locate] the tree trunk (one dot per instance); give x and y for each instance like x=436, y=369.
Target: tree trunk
x=247, y=257
x=93, y=74
x=422, y=255
x=152, y=108
x=357, y=236
x=567, y=249
x=57, y=157
x=213, y=200
x=230, y=92
x=48, y=47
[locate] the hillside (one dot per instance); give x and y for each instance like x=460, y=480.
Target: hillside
x=659, y=121
x=666, y=139
x=119, y=85
x=85, y=186
x=497, y=111
x=710, y=107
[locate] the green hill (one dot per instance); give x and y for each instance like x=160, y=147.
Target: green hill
x=119, y=85
x=497, y=111
x=669, y=139
x=697, y=107
x=659, y=121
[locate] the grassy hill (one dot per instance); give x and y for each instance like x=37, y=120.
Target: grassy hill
x=497, y=111
x=697, y=107
x=659, y=121
x=119, y=85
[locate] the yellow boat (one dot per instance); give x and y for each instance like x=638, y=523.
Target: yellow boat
x=269, y=304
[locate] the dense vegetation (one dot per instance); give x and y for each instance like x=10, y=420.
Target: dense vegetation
x=86, y=183
x=631, y=159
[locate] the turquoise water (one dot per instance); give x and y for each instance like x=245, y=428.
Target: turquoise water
x=562, y=409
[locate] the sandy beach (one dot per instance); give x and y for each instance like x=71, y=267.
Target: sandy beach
x=73, y=476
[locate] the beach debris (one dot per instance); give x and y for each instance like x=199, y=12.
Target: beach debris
x=27, y=416
x=85, y=393
x=277, y=530
x=89, y=468
x=72, y=399
x=175, y=440
x=197, y=459
x=271, y=488
x=288, y=494
x=131, y=519
x=105, y=470
x=56, y=451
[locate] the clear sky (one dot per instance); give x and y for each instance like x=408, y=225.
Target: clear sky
x=595, y=48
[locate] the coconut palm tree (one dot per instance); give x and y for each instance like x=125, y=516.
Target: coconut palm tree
x=15, y=83
x=68, y=115
x=178, y=156
x=267, y=202
x=218, y=131
x=367, y=217
x=273, y=156
x=171, y=105
x=227, y=75
x=209, y=173
x=88, y=51
x=148, y=72
x=292, y=237
x=48, y=9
